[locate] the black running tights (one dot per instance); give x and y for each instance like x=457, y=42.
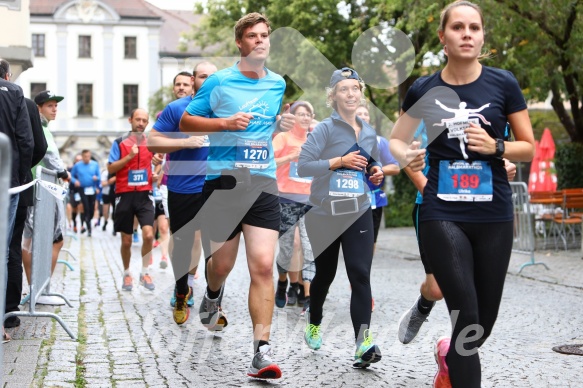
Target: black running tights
x=355, y=235
x=469, y=261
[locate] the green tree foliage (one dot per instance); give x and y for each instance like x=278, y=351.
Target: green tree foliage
x=541, y=42
x=159, y=100
x=569, y=164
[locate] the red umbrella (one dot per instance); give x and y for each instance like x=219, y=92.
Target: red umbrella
x=543, y=176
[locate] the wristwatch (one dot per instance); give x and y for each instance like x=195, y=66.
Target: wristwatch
x=499, y=147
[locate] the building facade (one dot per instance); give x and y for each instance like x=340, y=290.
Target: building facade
x=15, y=38
x=102, y=56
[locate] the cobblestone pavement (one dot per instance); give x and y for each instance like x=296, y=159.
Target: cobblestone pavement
x=128, y=339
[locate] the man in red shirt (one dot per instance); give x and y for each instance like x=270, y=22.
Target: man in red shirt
x=130, y=160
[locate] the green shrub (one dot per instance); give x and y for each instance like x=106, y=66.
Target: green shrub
x=569, y=165
x=401, y=202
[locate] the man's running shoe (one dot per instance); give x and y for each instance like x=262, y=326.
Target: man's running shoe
x=410, y=323
x=262, y=367
x=135, y=237
x=146, y=281
x=312, y=334
x=306, y=306
x=164, y=262
x=156, y=244
x=127, y=283
x=441, y=379
x=367, y=352
x=189, y=302
x=292, y=296
x=209, y=312
x=181, y=309
x=281, y=296
x=104, y=226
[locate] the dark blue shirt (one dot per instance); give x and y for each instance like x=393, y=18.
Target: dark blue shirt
x=187, y=167
x=488, y=100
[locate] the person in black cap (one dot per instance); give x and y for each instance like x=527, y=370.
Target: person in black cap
x=47, y=106
x=338, y=153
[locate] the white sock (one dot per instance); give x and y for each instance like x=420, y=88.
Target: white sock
x=144, y=270
x=126, y=272
x=190, y=280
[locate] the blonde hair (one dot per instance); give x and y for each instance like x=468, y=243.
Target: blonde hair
x=444, y=18
x=250, y=20
x=330, y=92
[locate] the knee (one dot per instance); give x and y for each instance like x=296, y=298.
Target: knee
x=262, y=273
x=221, y=269
x=148, y=236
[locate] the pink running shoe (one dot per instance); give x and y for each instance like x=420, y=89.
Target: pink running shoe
x=441, y=379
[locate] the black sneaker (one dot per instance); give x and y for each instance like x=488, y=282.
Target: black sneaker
x=11, y=322
x=281, y=296
x=302, y=296
x=292, y=296
x=306, y=306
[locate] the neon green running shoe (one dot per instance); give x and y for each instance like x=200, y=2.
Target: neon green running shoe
x=312, y=334
x=367, y=352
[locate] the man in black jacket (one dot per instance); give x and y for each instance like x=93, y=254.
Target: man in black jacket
x=15, y=123
x=14, y=273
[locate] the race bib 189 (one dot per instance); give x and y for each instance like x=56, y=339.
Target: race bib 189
x=465, y=181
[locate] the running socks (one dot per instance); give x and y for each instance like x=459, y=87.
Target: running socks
x=259, y=344
x=212, y=294
x=424, y=306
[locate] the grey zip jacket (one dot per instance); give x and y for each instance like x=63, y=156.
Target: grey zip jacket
x=333, y=137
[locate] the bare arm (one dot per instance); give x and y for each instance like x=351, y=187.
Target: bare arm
x=391, y=169
x=161, y=143
x=417, y=177
x=238, y=122
x=520, y=150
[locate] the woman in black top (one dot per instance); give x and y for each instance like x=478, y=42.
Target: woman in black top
x=466, y=221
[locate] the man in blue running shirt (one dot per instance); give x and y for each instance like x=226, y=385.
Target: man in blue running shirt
x=185, y=180
x=238, y=107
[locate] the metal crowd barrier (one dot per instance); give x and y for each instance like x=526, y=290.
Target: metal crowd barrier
x=45, y=205
x=5, y=173
x=524, y=241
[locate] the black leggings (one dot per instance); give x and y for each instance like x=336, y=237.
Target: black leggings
x=469, y=261
x=89, y=208
x=355, y=234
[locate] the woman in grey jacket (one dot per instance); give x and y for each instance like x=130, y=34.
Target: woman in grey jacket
x=338, y=153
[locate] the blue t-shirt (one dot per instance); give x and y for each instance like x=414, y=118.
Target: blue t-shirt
x=187, y=167
x=385, y=159
x=84, y=173
x=227, y=92
x=488, y=101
